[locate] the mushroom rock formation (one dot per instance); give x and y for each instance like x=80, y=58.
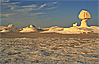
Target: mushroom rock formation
x=84, y=15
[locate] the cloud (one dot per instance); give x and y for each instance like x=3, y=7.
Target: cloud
x=24, y=10
x=24, y=15
x=48, y=4
x=51, y=8
x=33, y=5
x=7, y=15
x=12, y=5
x=34, y=14
x=54, y=2
x=15, y=3
x=30, y=8
x=43, y=5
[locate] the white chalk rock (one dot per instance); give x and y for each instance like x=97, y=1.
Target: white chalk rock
x=5, y=30
x=74, y=25
x=10, y=25
x=27, y=29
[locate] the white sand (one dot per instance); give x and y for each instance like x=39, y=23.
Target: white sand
x=49, y=50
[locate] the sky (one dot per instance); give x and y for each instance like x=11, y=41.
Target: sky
x=46, y=13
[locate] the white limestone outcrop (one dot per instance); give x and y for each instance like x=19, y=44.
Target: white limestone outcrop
x=27, y=29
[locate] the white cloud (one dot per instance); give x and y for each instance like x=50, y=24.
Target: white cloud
x=33, y=5
x=30, y=8
x=51, y=8
x=30, y=14
x=54, y=2
x=34, y=14
x=15, y=3
x=23, y=10
x=11, y=5
x=43, y=5
x=7, y=15
x=26, y=9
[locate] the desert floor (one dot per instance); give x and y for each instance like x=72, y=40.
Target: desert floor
x=37, y=35
x=52, y=48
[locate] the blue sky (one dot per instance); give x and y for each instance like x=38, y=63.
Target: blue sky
x=46, y=13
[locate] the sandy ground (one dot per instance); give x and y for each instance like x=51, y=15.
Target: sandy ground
x=37, y=35
x=33, y=48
